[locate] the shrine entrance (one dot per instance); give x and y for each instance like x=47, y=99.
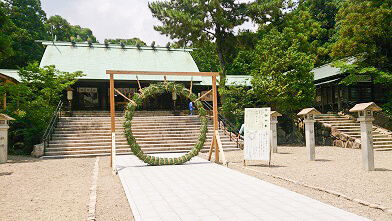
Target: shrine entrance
x=216, y=141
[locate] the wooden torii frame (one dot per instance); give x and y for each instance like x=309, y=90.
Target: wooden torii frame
x=216, y=142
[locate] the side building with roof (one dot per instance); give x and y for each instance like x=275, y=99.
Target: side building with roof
x=331, y=96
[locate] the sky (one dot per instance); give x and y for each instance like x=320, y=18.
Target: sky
x=112, y=18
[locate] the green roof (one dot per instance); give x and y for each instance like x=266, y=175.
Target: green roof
x=95, y=60
x=327, y=71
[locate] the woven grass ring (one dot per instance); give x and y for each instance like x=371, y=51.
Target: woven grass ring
x=156, y=89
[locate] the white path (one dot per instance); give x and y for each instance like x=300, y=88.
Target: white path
x=201, y=190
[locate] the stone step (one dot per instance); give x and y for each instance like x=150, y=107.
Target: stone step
x=382, y=146
x=135, y=133
x=122, y=153
x=337, y=121
x=139, y=124
x=139, y=128
x=385, y=142
x=120, y=150
x=341, y=123
x=87, y=136
x=162, y=143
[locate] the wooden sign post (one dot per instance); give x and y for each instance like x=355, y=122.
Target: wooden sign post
x=216, y=142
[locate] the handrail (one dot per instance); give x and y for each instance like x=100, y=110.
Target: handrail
x=52, y=124
x=223, y=121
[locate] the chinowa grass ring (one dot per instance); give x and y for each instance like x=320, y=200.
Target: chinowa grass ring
x=150, y=91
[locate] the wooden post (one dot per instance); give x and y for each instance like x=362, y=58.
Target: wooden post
x=220, y=147
x=215, y=114
x=113, y=125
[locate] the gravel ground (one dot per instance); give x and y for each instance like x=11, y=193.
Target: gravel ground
x=112, y=204
x=335, y=169
x=59, y=189
x=45, y=189
x=34, y=189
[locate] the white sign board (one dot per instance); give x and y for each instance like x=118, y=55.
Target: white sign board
x=257, y=134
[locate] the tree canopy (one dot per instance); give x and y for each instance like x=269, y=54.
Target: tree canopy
x=22, y=22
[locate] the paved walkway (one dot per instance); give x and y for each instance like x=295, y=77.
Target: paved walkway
x=201, y=190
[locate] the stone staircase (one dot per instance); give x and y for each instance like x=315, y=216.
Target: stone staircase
x=351, y=128
x=88, y=134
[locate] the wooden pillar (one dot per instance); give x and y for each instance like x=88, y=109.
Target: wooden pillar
x=113, y=124
x=215, y=115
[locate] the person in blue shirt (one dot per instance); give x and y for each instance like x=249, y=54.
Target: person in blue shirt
x=191, y=108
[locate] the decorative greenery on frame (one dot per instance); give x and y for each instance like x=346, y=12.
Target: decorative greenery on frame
x=137, y=101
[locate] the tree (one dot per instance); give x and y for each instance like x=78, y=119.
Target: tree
x=281, y=75
x=365, y=31
x=283, y=79
x=59, y=27
x=32, y=102
x=195, y=22
x=82, y=34
x=206, y=58
x=5, y=40
x=28, y=19
x=130, y=41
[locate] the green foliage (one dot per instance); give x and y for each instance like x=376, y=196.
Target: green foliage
x=281, y=77
x=237, y=99
x=26, y=24
x=32, y=102
x=150, y=91
x=131, y=41
x=23, y=22
x=358, y=71
x=5, y=40
x=365, y=31
x=60, y=27
x=195, y=22
x=206, y=58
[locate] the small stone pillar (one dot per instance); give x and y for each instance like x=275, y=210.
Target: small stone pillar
x=274, y=131
x=4, y=137
x=308, y=115
x=365, y=117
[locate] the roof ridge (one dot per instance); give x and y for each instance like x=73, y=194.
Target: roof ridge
x=117, y=46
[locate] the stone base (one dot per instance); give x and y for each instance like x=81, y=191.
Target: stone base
x=38, y=150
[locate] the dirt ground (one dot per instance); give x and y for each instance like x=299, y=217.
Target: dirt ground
x=335, y=169
x=112, y=204
x=59, y=189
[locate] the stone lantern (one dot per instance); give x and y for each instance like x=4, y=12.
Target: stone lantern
x=308, y=114
x=365, y=117
x=274, y=131
x=4, y=137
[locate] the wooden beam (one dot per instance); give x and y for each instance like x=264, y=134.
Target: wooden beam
x=203, y=95
x=163, y=73
x=112, y=121
x=215, y=114
x=211, y=147
x=219, y=144
x=127, y=98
